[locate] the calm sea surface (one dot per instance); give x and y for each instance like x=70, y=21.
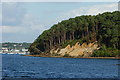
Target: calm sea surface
x=16, y=66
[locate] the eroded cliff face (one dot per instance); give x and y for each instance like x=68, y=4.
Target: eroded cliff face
x=84, y=50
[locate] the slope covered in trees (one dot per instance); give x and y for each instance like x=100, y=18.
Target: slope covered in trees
x=103, y=28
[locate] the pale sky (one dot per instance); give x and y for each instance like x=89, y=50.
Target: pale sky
x=25, y=21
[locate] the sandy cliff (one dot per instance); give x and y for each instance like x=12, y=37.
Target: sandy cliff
x=84, y=50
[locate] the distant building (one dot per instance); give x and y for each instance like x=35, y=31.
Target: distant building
x=4, y=45
x=10, y=51
x=24, y=50
x=17, y=50
x=4, y=50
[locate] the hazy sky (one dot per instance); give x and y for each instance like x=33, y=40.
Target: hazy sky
x=25, y=21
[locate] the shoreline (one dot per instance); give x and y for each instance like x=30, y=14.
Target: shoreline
x=74, y=57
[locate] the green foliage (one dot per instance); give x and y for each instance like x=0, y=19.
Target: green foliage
x=71, y=42
x=66, y=55
x=109, y=52
x=102, y=28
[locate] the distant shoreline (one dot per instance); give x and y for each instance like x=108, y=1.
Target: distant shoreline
x=74, y=57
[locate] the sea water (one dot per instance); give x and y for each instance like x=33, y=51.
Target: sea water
x=17, y=66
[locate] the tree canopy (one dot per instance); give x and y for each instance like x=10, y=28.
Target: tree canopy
x=103, y=28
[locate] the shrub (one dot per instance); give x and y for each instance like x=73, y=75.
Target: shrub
x=66, y=55
x=106, y=53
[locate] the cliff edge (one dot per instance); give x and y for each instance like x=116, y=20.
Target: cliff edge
x=77, y=50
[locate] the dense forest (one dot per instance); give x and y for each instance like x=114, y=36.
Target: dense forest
x=103, y=28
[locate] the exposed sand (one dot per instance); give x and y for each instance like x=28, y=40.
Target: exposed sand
x=75, y=57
